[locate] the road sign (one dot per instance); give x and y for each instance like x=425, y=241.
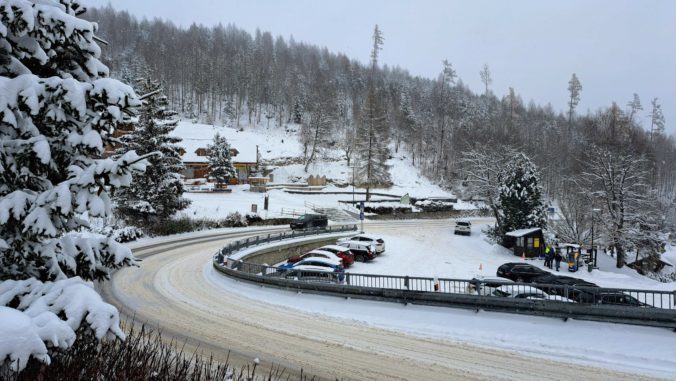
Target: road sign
x=361, y=216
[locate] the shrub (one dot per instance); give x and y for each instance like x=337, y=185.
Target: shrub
x=127, y=234
x=144, y=355
x=387, y=209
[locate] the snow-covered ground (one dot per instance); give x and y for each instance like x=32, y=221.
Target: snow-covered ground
x=422, y=253
x=626, y=348
x=429, y=251
x=275, y=144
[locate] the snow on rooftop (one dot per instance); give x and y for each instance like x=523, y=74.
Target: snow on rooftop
x=522, y=232
x=270, y=144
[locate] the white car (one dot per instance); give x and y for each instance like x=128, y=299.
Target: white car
x=520, y=291
x=486, y=285
x=363, y=251
x=463, y=227
x=316, y=253
x=367, y=239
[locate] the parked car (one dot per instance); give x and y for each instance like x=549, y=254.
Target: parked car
x=369, y=239
x=315, y=262
x=619, y=298
x=342, y=252
x=486, y=285
x=561, y=280
x=520, y=291
x=308, y=273
x=310, y=221
x=316, y=253
x=463, y=227
x=363, y=251
x=520, y=272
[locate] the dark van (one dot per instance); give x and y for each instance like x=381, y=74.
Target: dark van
x=310, y=221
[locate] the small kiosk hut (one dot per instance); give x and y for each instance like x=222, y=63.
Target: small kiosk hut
x=525, y=242
x=258, y=184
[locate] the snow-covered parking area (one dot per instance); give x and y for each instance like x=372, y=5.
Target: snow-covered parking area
x=434, y=251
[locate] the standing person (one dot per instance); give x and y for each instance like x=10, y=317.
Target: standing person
x=548, y=256
x=557, y=259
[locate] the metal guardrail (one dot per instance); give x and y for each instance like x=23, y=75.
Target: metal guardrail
x=238, y=245
x=651, y=307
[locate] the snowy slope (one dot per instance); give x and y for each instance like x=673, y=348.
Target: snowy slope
x=276, y=144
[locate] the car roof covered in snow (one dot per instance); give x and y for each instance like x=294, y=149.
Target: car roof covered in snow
x=362, y=243
x=333, y=247
x=313, y=268
x=520, y=289
x=323, y=252
x=369, y=236
x=328, y=261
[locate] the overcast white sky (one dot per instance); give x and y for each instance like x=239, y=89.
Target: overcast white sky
x=616, y=47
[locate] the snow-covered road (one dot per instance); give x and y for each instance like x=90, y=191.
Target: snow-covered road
x=176, y=289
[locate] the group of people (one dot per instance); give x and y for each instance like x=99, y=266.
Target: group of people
x=553, y=255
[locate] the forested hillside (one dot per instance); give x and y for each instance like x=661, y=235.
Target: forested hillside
x=223, y=74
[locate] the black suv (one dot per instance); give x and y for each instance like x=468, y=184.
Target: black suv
x=310, y=221
x=520, y=272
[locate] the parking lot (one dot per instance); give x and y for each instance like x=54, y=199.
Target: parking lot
x=437, y=252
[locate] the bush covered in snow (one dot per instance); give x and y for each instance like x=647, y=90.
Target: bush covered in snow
x=187, y=224
x=387, y=208
x=434, y=206
x=144, y=355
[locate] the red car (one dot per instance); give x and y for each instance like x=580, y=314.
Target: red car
x=317, y=253
x=342, y=252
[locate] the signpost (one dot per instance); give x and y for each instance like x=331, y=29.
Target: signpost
x=361, y=214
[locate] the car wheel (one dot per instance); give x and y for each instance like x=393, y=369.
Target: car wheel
x=360, y=258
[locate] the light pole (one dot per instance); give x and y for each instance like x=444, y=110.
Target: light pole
x=353, y=168
x=593, y=252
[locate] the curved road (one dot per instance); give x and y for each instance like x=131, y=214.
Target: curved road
x=170, y=291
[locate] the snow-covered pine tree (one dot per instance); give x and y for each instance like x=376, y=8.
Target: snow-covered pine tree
x=155, y=195
x=371, y=150
x=521, y=200
x=57, y=112
x=220, y=160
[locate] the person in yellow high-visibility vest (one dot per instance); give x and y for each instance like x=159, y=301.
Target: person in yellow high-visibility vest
x=549, y=255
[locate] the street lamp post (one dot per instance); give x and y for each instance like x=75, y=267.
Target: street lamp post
x=353, y=167
x=593, y=252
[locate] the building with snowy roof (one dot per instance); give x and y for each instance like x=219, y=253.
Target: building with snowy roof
x=529, y=242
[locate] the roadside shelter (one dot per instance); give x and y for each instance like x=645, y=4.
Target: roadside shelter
x=527, y=242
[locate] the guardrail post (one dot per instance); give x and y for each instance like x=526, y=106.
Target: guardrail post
x=347, y=278
x=406, y=282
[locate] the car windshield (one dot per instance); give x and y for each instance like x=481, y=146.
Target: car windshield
x=463, y=223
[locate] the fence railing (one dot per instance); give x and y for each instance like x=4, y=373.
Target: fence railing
x=530, y=291
x=238, y=245
x=619, y=305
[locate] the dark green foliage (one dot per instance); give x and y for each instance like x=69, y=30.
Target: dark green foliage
x=220, y=160
x=157, y=194
x=521, y=199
